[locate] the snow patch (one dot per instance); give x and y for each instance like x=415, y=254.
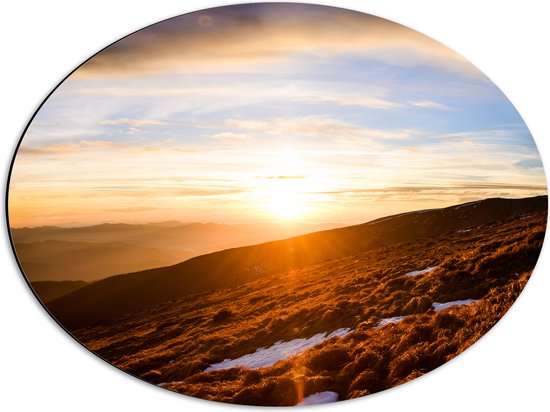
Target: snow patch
x=264, y=357
x=436, y=306
x=441, y=306
x=163, y=384
x=421, y=272
x=319, y=398
x=387, y=321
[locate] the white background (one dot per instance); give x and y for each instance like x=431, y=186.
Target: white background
x=42, y=367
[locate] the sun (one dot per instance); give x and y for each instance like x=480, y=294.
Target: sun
x=284, y=191
x=287, y=203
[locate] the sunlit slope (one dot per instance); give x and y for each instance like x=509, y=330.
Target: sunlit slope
x=393, y=313
x=126, y=293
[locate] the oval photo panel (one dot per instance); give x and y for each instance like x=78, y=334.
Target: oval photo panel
x=277, y=204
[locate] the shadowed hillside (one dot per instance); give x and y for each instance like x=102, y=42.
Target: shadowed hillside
x=122, y=294
x=49, y=290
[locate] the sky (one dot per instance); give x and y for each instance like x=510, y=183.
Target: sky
x=269, y=113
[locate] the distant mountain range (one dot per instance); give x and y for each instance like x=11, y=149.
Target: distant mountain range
x=88, y=261
x=94, y=252
x=117, y=295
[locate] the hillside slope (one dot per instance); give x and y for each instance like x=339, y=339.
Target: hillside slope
x=126, y=293
x=394, y=313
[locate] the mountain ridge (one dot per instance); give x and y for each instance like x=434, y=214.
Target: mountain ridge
x=129, y=292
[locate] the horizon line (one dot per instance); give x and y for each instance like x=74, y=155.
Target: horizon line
x=263, y=222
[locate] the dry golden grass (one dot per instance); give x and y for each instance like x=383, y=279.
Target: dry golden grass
x=175, y=342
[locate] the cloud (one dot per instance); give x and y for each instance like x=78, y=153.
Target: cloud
x=221, y=93
x=131, y=209
x=430, y=105
x=313, y=126
x=240, y=36
x=98, y=143
x=450, y=194
x=499, y=136
x=283, y=177
x=458, y=187
x=350, y=100
x=36, y=151
x=252, y=125
x=125, y=121
x=529, y=164
x=372, y=102
x=64, y=148
x=230, y=136
x=149, y=191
